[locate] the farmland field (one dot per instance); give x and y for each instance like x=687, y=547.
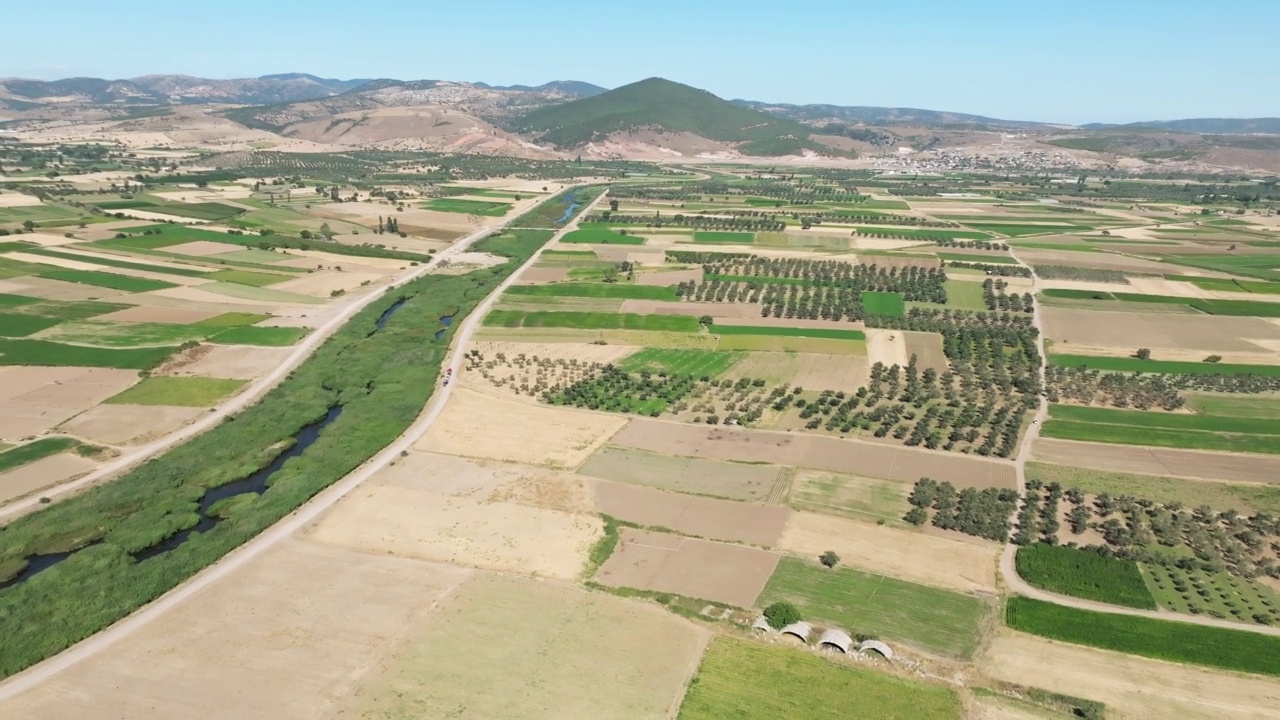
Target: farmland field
x=938, y=620
x=1230, y=308
x=1084, y=574
x=38, y=352
x=1174, y=367
x=16, y=325
x=1219, y=594
x=828, y=333
x=1243, y=497
x=181, y=391
x=727, y=238
x=267, y=336
x=107, y=280
x=883, y=303
x=594, y=290
x=470, y=207
x=600, y=234
x=35, y=450
x=850, y=496
x=122, y=335
x=200, y=211
x=686, y=362
x=977, y=258
x=748, y=680
x=591, y=321
x=1160, y=639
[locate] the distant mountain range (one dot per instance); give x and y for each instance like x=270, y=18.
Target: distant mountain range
x=884, y=116
x=1201, y=126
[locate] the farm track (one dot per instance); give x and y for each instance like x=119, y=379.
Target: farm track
x=1008, y=567
x=299, y=518
x=250, y=395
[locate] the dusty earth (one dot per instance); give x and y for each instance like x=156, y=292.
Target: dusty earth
x=36, y=399
x=1209, y=333
x=507, y=647
x=464, y=512
x=892, y=462
x=1132, y=687
x=129, y=424
x=235, y=362
x=494, y=427
x=701, y=569
x=1159, y=461
x=907, y=554
x=697, y=516
x=808, y=370
x=698, y=476
x=888, y=347
x=927, y=347
x=42, y=473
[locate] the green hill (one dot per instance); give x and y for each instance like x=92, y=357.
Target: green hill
x=662, y=104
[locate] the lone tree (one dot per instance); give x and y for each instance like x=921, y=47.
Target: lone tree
x=1143, y=354
x=781, y=614
x=829, y=559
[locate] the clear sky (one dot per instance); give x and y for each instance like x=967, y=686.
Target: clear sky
x=1075, y=62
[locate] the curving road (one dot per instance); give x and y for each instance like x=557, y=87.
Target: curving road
x=1008, y=567
x=296, y=520
x=261, y=386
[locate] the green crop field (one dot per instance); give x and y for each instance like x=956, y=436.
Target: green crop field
x=1244, y=497
x=38, y=352
x=1264, y=406
x=245, y=277
x=123, y=335
x=595, y=290
x=1175, y=421
x=883, y=303
x=183, y=391
x=1161, y=437
x=1014, y=230
x=8, y=301
x=599, y=234
x=107, y=280
x=724, y=238
x=697, y=363
x=1258, y=287
x=591, y=321
x=858, y=602
x=918, y=234
x=100, y=259
x=1084, y=574
x=745, y=680
x=1260, y=266
x=470, y=207
x=36, y=450
x=831, y=334
x=232, y=319
x=1230, y=308
x=965, y=295
x=72, y=310
x=1172, y=367
x=268, y=336
x=1160, y=639
x=213, y=211
x=977, y=258
x=21, y=325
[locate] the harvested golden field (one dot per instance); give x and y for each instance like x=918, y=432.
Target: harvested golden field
x=701, y=569
x=129, y=424
x=735, y=481
x=888, y=347
x=290, y=635
x=1157, y=330
x=172, y=315
x=37, y=399
x=851, y=496
x=506, y=647
x=494, y=427
x=927, y=347
x=892, y=462
x=478, y=514
x=42, y=473
x=907, y=554
x=809, y=370
x=689, y=515
x=1159, y=461
x=1133, y=688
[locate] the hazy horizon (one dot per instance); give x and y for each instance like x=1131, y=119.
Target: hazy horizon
x=1101, y=62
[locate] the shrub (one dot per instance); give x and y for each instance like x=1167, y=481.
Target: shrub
x=781, y=614
x=829, y=559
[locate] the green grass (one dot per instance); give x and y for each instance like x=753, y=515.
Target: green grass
x=1259, y=266
x=1267, y=406
x=591, y=321
x=1159, y=639
x=212, y=211
x=745, y=680
x=1172, y=367
x=599, y=234
x=268, y=336
x=259, y=294
x=883, y=303
x=108, y=280
x=965, y=295
x=726, y=238
x=977, y=258
x=1247, y=498
x=470, y=207
x=245, y=277
x=1174, y=421
x=33, y=451
x=830, y=334
x=22, y=325
x=917, y=234
x=117, y=263
x=1161, y=437
x=73, y=310
x=1014, y=230
x=686, y=362
x=8, y=301
x=1223, y=285
x=39, y=352
x=595, y=290
x=1230, y=308
x=858, y=602
x=1220, y=594
x=123, y=335
x=232, y=319
x=1084, y=574
x=182, y=391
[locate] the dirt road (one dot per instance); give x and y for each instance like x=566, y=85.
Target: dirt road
x=255, y=391
x=289, y=525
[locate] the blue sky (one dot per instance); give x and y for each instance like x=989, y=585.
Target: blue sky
x=1083, y=61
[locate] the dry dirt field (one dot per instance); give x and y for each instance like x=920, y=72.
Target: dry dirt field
x=730, y=574
x=697, y=516
x=42, y=473
x=736, y=481
x=1104, y=261
x=129, y=424
x=668, y=277
x=809, y=370
x=506, y=647
x=290, y=635
x=1133, y=688
x=144, y=314
x=1249, y=358
x=813, y=451
x=742, y=311
x=479, y=514
x=927, y=347
x=1159, y=461
x=1157, y=330
x=494, y=427
x=582, y=352
x=888, y=347
x=907, y=554
x=36, y=399
x=235, y=362
x=539, y=275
